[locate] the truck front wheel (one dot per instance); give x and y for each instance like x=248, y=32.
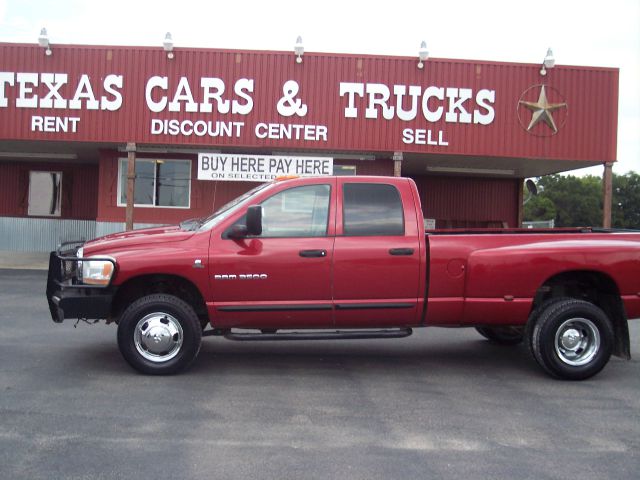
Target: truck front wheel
x=572, y=339
x=159, y=334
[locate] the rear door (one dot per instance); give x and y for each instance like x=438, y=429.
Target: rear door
x=376, y=263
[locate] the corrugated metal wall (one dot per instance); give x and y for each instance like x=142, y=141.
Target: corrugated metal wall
x=459, y=202
x=106, y=228
x=12, y=195
x=43, y=235
x=79, y=188
x=83, y=195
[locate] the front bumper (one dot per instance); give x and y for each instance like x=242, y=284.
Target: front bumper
x=68, y=298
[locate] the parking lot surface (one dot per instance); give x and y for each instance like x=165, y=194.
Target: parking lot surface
x=439, y=404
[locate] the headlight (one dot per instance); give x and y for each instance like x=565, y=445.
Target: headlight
x=96, y=272
x=79, y=264
x=80, y=254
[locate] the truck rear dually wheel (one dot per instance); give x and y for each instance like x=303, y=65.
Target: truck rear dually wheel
x=572, y=339
x=159, y=334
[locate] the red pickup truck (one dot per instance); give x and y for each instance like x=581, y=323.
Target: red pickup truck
x=345, y=258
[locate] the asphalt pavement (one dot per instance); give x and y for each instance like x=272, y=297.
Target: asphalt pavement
x=443, y=403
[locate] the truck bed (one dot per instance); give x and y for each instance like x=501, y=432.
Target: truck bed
x=480, y=231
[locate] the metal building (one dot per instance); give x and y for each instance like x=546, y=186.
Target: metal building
x=468, y=132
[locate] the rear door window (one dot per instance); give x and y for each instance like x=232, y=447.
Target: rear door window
x=372, y=209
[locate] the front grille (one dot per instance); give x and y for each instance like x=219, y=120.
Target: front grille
x=69, y=267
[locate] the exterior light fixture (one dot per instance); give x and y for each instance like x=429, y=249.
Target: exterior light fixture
x=168, y=45
x=423, y=54
x=548, y=62
x=43, y=41
x=298, y=49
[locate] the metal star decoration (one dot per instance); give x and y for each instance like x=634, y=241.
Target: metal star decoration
x=542, y=110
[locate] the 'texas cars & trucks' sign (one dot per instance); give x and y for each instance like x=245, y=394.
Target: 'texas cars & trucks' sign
x=211, y=97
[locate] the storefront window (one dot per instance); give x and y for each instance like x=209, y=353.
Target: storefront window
x=159, y=183
x=45, y=194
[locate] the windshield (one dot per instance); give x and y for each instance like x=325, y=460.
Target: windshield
x=230, y=207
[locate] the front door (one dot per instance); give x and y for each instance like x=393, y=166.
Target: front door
x=283, y=276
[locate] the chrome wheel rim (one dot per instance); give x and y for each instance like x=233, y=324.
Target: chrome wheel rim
x=158, y=337
x=577, y=341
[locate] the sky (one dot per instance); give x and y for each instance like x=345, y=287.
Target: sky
x=580, y=32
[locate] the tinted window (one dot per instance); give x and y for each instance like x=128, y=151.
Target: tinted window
x=372, y=209
x=297, y=212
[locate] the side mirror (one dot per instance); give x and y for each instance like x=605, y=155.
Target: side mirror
x=238, y=231
x=254, y=220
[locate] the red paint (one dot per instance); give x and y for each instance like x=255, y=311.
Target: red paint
x=291, y=278
x=79, y=188
x=473, y=278
x=459, y=202
x=363, y=270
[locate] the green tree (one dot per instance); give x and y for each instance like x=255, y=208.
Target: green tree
x=539, y=208
x=577, y=201
x=625, y=211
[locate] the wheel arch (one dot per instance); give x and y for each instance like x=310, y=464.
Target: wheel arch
x=595, y=287
x=137, y=287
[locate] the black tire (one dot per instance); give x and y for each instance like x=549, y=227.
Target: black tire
x=502, y=335
x=159, y=334
x=571, y=339
x=533, y=318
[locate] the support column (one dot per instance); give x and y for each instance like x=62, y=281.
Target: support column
x=607, y=194
x=397, y=164
x=131, y=184
x=520, y=202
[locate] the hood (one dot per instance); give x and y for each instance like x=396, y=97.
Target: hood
x=146, y=237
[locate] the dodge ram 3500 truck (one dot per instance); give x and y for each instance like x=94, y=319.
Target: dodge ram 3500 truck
x=346, y=258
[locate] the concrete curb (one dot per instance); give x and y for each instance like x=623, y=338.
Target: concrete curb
x=24, y=260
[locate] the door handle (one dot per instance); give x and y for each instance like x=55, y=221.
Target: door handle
x=313, y=253
x=401, y=251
